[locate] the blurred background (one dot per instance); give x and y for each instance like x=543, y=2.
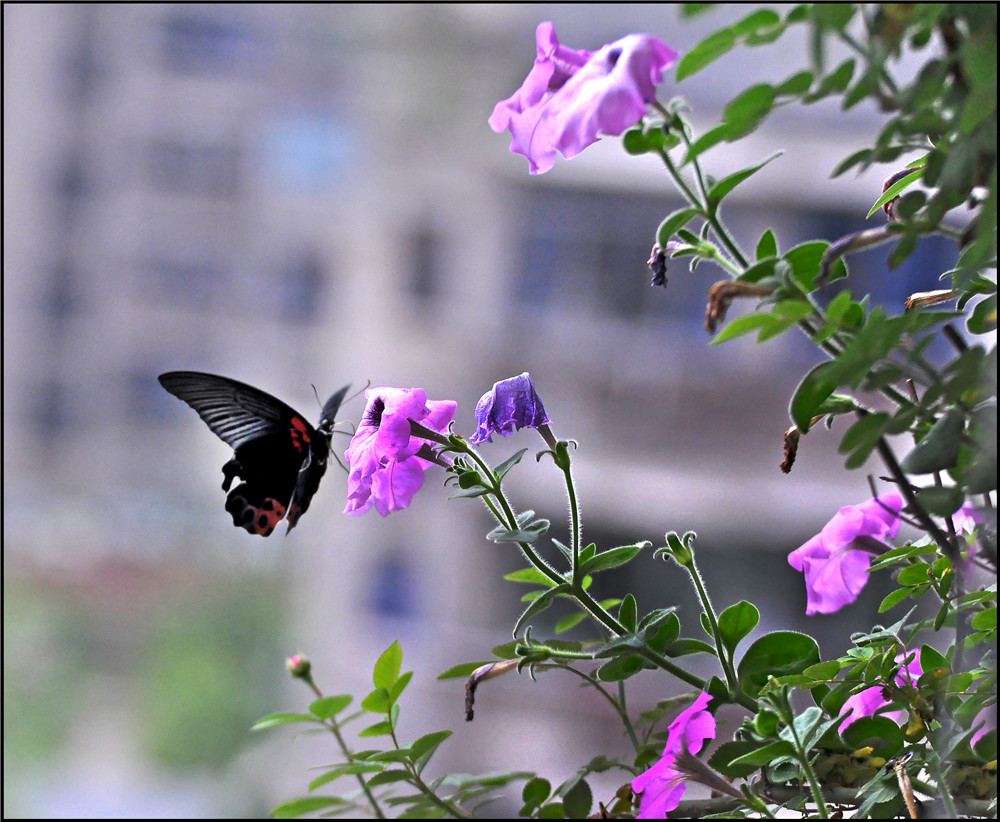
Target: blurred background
x=297, y=195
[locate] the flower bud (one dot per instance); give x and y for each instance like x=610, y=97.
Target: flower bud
x=298, y=666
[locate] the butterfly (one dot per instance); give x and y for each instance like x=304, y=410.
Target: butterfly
x=279, y=457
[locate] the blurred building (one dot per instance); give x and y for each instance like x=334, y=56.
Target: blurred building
x=303, y=194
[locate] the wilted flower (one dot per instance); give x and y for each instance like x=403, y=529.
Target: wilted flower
x=513, y=404
x=663, y=785
x=384, y=470
x=571, y=95
x=835, y=562
x=867, y=702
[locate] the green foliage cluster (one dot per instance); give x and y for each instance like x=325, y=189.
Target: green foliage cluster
x=876, y=372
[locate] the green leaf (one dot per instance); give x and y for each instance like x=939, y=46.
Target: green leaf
x=727, y=184
x=619, y=668
x=797, y=84
x=540, y=604
x=569, y=621
x=932, y=659
x=985, y=620
x=767, y=246
x=758, y=321
x=761, y=756
x=612, y=558
x=941, y=501
x=529, y=533
x=893, y=599
x=377, y=702
x=779, y=653
x=736, y=622
x=386, y=670
x=938, y=450
x=755, y=22
x=686, y=646
x=530, y=575
x=984, y=316
x=879, y=732
x=727, y=753
x=536, y=791
x=673, y=222
x=276, y=720
x=328, y=707
x=825, y=671
x=748, y=109
x=462, y=671
x=383, y=728
x=400, y=686
x=805, y=260
x=349, y=769
x=306, y=804
x=578, y=800
x=810, y=394
x=838, y=307
x=627, y=614
x=833, y=83
x=505, y=466
x=706, y=52
x=896, y=188
x=862, y=437
x=721, y=132
x=387, y=778
x=424, y=747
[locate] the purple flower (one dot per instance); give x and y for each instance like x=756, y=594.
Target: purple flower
x=663, y=785
x=513, y=404
x=571, y=95
x=967, y=518
x=384, y=470
x=867, y=702
x=987, y=716
x=836, y=561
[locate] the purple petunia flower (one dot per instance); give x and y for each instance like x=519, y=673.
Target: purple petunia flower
x=513, y=404
x=570, y=96
x=663, y=785
x=384, y=470
x=867, y=702
x=835, y=562
x=988, y=717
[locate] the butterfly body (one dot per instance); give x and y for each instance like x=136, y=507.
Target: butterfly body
x=278, y=456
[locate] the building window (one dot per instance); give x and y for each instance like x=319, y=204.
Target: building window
x=184, y=168
x=425, y=263
x=587, y=251
x=194, y=41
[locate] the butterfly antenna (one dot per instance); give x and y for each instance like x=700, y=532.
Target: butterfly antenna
x=368, y=384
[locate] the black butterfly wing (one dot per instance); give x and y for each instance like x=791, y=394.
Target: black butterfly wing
x=236, y=412
x=274, y=446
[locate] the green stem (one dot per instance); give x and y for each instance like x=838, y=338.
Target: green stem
x=332, y=725
x=706, y=604
x=814, y=786
x=574, y=524
x=424, y=788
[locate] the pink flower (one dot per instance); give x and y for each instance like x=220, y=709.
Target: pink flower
x=663, y=785
x=571, y=95
x=835, y=562
x=870, y=700
x=384, y=470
